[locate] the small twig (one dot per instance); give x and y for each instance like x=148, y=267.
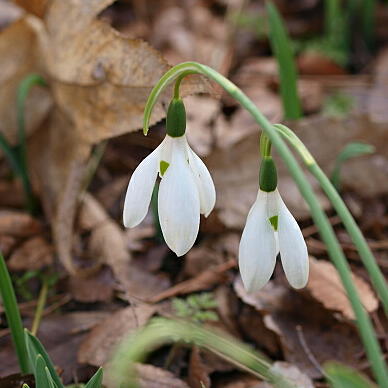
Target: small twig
x=307, y=350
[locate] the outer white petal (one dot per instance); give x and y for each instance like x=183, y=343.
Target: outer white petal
x=206, y=189
x=257, y=253
x=139, y=191
x=178, y=202
x=293, y=250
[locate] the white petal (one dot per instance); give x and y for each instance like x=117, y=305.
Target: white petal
x=178, y=202
x=257, y=252
x=206, y=189
x=139, y=191
x=293, y=250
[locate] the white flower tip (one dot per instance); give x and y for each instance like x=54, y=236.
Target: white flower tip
x=299, y=276
x=128, y=223
x=180, y=249
x=251, y=284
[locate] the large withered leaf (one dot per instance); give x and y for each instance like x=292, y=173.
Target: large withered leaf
x=99, y=77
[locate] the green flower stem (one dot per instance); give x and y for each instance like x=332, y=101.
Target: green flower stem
x=13, y=316
x=326, y=231
x=22, y=93
x=351, y=226
x=162, y=331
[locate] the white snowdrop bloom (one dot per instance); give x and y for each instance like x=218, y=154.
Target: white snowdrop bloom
x=270, y=229
x=186, y=191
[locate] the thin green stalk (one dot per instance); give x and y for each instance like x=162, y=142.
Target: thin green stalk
x=13, y=316
x=351, y=226
x=162, y=331
x=40, y=307
x=326, y=231
x=282, y=50
x=22, y=93
x=368, y=13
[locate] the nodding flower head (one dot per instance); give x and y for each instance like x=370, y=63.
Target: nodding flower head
x=186, y=188
x=270, y=228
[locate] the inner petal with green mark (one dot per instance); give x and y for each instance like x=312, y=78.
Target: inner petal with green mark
x=274, y=222
x=163, y=166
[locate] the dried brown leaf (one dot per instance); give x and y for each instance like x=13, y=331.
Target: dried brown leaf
x=33, y=254
x=96, y=287
x=325, y=285
x=100, y=343
x=18, y=224
x=107, y=242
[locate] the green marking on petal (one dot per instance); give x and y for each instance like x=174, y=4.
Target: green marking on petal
x=163, y=167
x=274, y=222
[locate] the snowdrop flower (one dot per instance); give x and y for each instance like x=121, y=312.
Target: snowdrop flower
x=270, y=229
x=186, y=188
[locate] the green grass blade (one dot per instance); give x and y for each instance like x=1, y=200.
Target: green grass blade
x=41, y=380
x=281, y=48
x=13, y=316
x=35, y=348
x=350, y=151
x=341, y=376
x=96, y=380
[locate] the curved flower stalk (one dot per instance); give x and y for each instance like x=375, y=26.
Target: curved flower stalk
x=186, y=188
x=270, y=229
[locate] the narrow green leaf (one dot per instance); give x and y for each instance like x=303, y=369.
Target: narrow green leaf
x=341, y=376
x=35, y=348
x=351, y=150
x=281, y=48
x=51, y=383
x=41, y=380
x=13, y=316
x=96, y=380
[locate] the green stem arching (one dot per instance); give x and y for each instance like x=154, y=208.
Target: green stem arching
x=350, y=224
x=163, y=331
x=13, y=316
x=326, y=231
